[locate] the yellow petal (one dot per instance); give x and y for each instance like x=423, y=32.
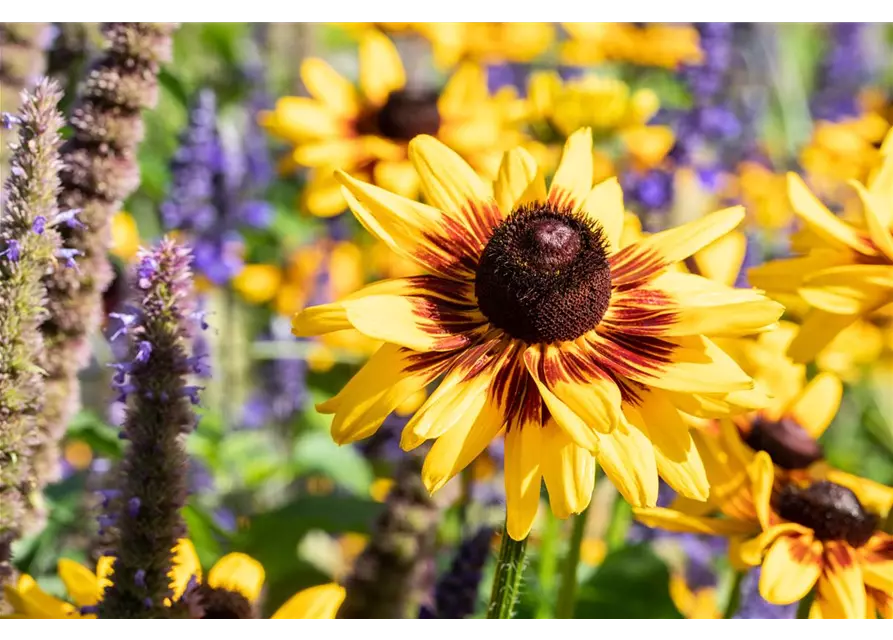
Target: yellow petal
x=815, y=406
x=105, y=567
x=790, y=569
x=573, y=178
x=674, y=245
x=817, y=331
x=466, y=87
x=877, y=562
x=334, y=152
x=465, y=441
x=750, y=553
x=374, y=392
x=825, y=224
x=582, y=398
x=322, y=195
x=315, y=603
x=517, y=173
x=842, y=587
x=786, y=276
x=876, y=221
x=569, y=472
x=678, y=460
x=381, y=70
x=300, y=119
x=81, y=583
x=258, y=283
x=185, y=565
x=849, y=289
x=627, y=458
x=329, y=87
x=710, y=308
x=33, y=602
x=523, y=476
x=447, y=181
x=604, y=204
x=397, y=176
x=240, y=573
x=721, y=260
x=661, y=518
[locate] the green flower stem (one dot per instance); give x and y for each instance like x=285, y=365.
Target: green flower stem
x=568, y=591
x=548, y=564
x=621, y=518
x=507, y=581
x=734, y=599
x=805, y=605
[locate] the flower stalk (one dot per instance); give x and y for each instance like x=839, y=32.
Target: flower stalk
x=153, y=475
x=388, y=576
x=29, y=248
x=101, y=170
x=507, y=581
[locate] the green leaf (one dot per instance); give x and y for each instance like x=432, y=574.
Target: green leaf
x=91, y=429
x=316, y=452
x=632, y=582
x=204, y=533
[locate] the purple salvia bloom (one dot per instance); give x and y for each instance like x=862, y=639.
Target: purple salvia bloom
x=100, y=170
x=40, y=224
x=69, y=218
x=153, y=473
x=843, y=72
x=69, y=255
x=31, y=191
x=8, y=121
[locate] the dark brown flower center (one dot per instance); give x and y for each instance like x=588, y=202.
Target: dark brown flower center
x=787, y=443
x=407, y=114
x=217, y=603
x=544, y=275
x=833, y=512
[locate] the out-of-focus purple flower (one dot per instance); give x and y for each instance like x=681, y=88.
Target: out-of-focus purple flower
x=652, y=189
x=456, y=592
x=754, y=607
x=843, y=72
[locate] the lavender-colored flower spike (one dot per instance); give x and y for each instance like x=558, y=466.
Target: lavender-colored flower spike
x=22, y=62
x=159, y=413
x=387, y=579
x=456, y=593
x=101, y=170
x=755, y=607
x=31, y=193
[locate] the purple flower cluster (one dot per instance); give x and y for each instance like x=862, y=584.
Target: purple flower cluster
x=842, y=74
x=159, y=327
x=456, y=593
x=754, y=607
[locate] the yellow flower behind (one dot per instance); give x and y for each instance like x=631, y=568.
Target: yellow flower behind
x=544, y=328
x=653, y=44
x=125, y=236
x=365, y=129
x=846, y=271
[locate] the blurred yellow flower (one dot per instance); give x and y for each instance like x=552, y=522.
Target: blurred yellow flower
x=764, y=194
x=125, y=236
x=365, y=130
x=258, y=283
x=846, y=272
x=487, y=42
x=653, y=44
x=697, y=604
x=78, y=454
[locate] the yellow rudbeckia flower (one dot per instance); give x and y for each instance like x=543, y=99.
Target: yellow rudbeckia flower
x=365, y=130
x=653, y=44
x=846, y=272
x=543, y=328
x=807, y=535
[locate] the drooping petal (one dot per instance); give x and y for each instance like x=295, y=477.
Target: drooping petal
x=390, y=377
x=815, y=407
x=329, y=87
x=722, y=259
x=315, y=603
x=878, y=225
x=671, y=520
x=573, y=178
x=790, y=569
x=604, y=204
x=517, y=173
x=466, y=86
x=240, y=573
x=569, y=472
x=523, y=476
x=451, y=185
x=475, y=429
x=849, y=289
x=443, y=244
x=842, y=587
x=877, y=562
x=582, y=398
x=185, y=565
x=678, y=460
x=300, y=119
x=831, y=229
x=627, y=458
x=80, y=583
x=817, y=331
x=29, y=599
x=381, y=70
x=751, y=552
x=657, y=252
x=762, y=478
